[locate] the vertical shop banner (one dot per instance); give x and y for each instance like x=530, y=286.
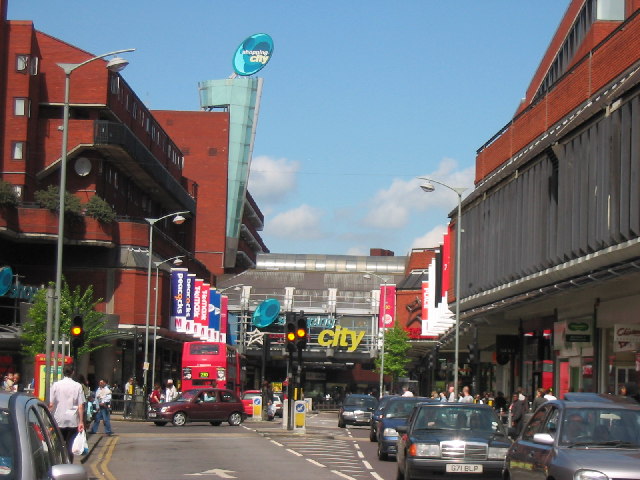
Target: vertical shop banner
x=203, y=332
x=188, y=302
x=178, y=280
x=425, y=308
x=387, y=313
x=197, y=294
x=446, y=264
x=224, y=318
x=214, y=315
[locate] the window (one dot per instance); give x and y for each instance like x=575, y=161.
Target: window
x=534, y=424
x=18, y=150
x=21, y=107
x=22, y=63
x=610, y=10
x=39, y=448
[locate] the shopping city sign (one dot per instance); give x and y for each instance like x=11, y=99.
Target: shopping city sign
x=253, y=54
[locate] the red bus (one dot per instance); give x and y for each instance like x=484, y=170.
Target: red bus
x=210, y=364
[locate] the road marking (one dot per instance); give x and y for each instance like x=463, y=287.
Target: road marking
x=100, y=468
x=340, y=474
x=376, y=476
x=367, y=464
x=219, y=472
x=311, y=460
x=294, y=452
x=277, y=443
x=360, y=454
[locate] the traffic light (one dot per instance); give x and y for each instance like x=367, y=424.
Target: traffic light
x=301, y=331
x=474, y=353
x=290, y=331
x=431, y=360
x=77, y=331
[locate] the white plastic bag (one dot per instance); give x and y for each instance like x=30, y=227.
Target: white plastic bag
x=80, y=445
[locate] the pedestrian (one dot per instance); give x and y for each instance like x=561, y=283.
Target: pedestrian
x=267, y=401
x=128, y=397
x=170, y=393
x=500, y=403
x=406, y=392
x=518, y=408
x=102, y=403
x=452, y=394
x=539, y=399
x=67, y=405
x=7, y=385
x=466, y=396
x=549, y=395
x=88, y=407
x=155, y=396
x=443, y=397
x=16, y=383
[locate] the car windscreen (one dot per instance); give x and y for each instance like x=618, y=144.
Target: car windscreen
x=461, y=419
x=187, y=396
x=600, y=426
x=7, y=444
x=365, y=402
x=250, y=395
x=401, y=408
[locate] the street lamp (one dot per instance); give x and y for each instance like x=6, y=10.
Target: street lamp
x=115, y=65
x=177, y=260
x=428, y=187
x=381, y=321
x=178, y=219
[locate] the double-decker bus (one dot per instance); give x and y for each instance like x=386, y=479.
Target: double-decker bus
x=210, y=364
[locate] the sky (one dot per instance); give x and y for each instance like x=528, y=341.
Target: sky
x=360, y=98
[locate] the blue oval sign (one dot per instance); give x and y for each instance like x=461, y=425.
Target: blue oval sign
x=6, y=279
x=253, y=54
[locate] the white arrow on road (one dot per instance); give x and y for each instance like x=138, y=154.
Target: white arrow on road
x=216, y=471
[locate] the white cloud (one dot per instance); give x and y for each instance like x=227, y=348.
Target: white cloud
x=392, y=208
x=301, y=223
x=272, y=179
x=431, y=239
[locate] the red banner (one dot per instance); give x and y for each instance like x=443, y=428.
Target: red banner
x=446, y=263
x=387, y=313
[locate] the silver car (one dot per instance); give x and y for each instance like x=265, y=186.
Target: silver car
x=31, y=446
x=578, y=440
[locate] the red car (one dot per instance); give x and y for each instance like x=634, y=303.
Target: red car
x=213, y=405
x=247, y=400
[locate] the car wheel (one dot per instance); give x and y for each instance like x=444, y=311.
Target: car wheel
x=341, y=423
x=382, y=455
x=235, y=419
x=216, y=423
x=160, y=424
x=179, y=419
x=372, y=435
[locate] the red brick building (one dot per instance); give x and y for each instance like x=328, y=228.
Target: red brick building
x=143, y=164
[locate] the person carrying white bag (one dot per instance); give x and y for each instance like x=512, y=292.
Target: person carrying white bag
x=67, y=405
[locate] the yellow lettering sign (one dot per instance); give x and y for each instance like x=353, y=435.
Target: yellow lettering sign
x=342, y=337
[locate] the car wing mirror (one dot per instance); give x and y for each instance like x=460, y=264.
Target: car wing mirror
x=402, y=428
x=66, y=471
x=543, y=438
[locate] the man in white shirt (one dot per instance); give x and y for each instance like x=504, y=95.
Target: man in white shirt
x=103, y=408
x=67, y=405
x=466, y=396
x=406, y=392
x=452, y=394
x=170, y=393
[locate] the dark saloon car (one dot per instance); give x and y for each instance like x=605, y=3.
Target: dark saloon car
x=377, y=413
x=394, y=415
x=356, y=409
x=578, y=440
x=31, y=446
x=213, y=405
x=464, y=440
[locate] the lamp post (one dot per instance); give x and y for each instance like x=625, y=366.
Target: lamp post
x=178, y=219
x=177, y=260
x=381, y=321
x=428, y=187
x=115, y=65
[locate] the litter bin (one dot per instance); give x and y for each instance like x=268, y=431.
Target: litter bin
x=138, y=410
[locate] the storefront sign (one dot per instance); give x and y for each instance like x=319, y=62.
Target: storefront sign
x=578, y=331
x=253, y=54
x=341, y=337
x=626, y=333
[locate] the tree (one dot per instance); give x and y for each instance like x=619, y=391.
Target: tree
x=50, y=199
x=8, y=197
x=76, y=301
x=396, y=346
x=100, y=210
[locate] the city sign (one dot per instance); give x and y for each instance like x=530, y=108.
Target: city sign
x=253, y=54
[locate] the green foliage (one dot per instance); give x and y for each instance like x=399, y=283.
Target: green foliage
x=100, y=210
x=34, y=332
x=8, y=197
x=396, y=346
x=50, y=199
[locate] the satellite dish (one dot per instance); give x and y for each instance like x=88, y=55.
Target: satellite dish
x=82, y=166
x=266, y=313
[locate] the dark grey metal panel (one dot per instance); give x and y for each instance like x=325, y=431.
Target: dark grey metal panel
x=634, y=185
x=583, y=192
x=620, y=198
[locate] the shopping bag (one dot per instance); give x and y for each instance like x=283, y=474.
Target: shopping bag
x=80, y=445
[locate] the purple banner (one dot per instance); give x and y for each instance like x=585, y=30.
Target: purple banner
x=214, y=312
x=178, y=293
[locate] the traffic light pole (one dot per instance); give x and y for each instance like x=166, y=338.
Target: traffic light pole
x=290, y=390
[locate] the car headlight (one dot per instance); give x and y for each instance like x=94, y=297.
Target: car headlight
x=348, y=414
x=164, y=409
x=425, y=450
x=389, y=432
x=589, y=475
x=497, y=453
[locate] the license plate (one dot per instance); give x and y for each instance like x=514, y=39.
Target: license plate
x=464, y=468
x=152, y=414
